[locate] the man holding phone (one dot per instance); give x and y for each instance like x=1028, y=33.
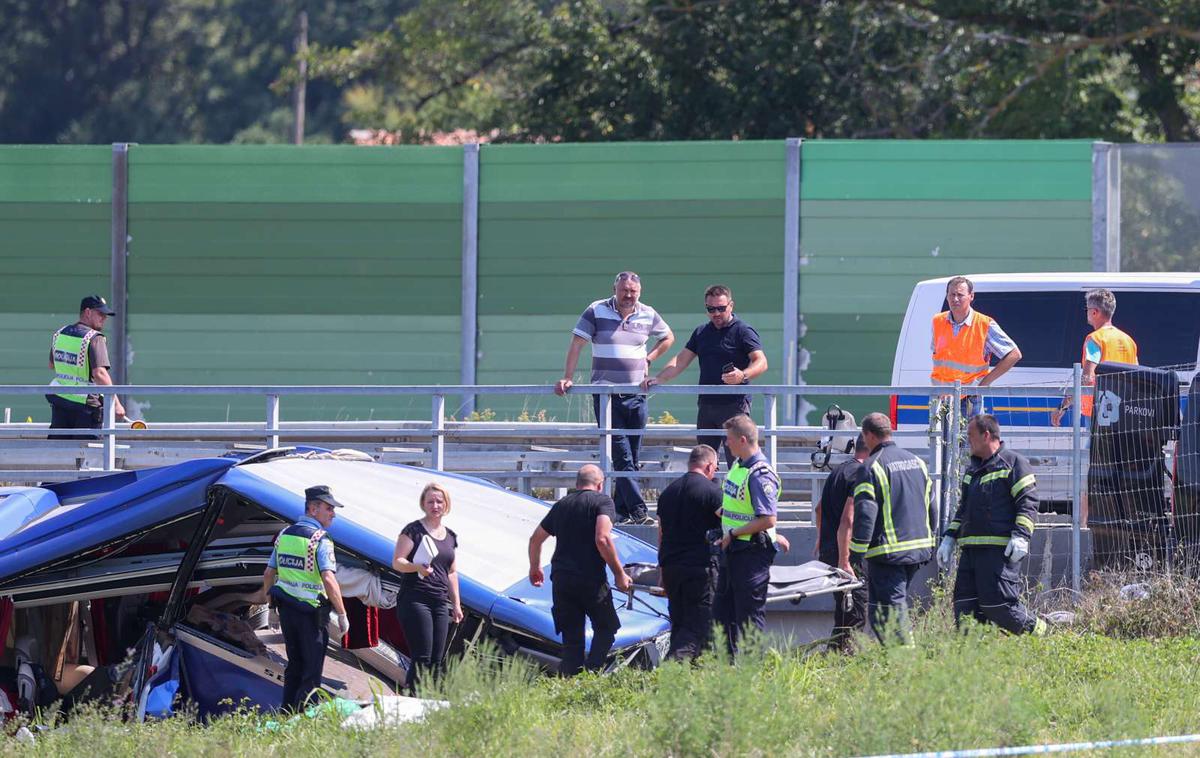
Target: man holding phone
x=730, y=352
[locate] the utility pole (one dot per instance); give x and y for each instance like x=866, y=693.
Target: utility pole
x=302, y=80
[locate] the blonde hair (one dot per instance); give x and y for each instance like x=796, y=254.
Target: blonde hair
x=434, y=487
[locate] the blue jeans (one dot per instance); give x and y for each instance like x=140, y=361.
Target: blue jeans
x=628, y=412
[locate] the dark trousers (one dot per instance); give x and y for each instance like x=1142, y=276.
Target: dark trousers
x=628, y=412
x=577, y=600
x=988, y=587
x=67, y=415
x=741, y=597
x=305, y=639
x=888, y=589
x=426, y=623
x=712, y=416
x=690, y=591
x=849, y=617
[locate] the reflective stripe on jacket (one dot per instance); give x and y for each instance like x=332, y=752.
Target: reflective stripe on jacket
x=296, y=564
x=72, y=365
x=961, y=357
x=737, y=509
x=998, y=500
x=892, y=508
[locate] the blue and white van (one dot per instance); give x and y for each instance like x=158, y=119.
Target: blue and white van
x=1044, y=314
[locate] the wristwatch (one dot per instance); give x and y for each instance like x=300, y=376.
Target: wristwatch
x=732, y=536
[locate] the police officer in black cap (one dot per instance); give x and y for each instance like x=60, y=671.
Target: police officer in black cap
x=79, y=358
x=301, y=578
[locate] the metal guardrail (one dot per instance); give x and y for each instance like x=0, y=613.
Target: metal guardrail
x=943, y=458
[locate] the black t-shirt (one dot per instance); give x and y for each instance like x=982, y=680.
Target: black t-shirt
x=687, y=509
x=838, y=486
x=572, y=522
x=716, y=347
x=436, y=586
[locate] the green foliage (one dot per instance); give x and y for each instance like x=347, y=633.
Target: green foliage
x=202, y=70
x=973, y=690
x=168, y=72
x=666, y=418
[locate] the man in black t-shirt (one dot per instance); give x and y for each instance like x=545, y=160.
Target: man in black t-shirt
x=581, y=523
x=834, y=519
x=730, y=353
x=687, y=509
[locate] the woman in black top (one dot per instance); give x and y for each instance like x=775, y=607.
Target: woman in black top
x=428, y=599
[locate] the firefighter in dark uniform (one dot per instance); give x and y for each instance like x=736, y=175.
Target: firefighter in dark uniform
x=993, y=525
x=893, y=531
x=748, y=511
x=301, y=578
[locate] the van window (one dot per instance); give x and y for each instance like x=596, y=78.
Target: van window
x=1050, y=327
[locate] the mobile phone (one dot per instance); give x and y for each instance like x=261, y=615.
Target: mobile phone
x=727, y=368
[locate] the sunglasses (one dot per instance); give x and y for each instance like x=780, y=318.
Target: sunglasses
x=628, y=276
x=716, y=308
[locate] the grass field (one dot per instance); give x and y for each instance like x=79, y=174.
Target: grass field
x=950, y=691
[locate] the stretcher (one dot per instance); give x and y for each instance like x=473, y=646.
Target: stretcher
x=787, y=583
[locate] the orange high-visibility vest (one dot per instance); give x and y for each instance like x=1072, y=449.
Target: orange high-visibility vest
x=963, y=357
x=1115, y=345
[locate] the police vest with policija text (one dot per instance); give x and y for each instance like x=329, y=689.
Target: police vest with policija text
x=892, y=519
x=737, y=510
x=296, y=565
x=961, y=357
x=72, y=365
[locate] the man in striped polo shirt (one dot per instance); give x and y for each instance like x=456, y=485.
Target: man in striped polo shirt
x=619, y=328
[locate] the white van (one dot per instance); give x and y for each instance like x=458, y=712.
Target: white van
x=1044, y=314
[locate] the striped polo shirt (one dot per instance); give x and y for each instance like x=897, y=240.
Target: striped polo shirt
x=619, y=345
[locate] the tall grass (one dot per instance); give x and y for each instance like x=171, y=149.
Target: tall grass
x=951, y=690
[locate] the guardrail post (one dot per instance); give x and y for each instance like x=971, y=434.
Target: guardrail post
x=1076, y=475
x=605, y=422
x=437, y=440
x=770, y=426
x=272, y=421
x=937, y=453
x=953, y=423
x=110, y=433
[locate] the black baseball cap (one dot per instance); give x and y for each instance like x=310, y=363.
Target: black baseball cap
x=96, y=303
x=323, y=493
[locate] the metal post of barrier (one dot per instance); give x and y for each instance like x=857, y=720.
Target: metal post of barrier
x=110, y=433
x=937, y=453
x=272, y=421
x=605, y=422
x=953, y=422
x=437, y=442
x=1076, y=475
x=770, y=424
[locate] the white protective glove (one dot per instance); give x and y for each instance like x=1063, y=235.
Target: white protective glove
x=1018, y=548
x=946, y=551
x=343, y=624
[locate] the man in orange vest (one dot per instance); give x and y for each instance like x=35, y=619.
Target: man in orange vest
x=1105, y=343
x=965, y=340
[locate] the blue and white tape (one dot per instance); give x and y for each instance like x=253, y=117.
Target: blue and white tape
x=1042, y=749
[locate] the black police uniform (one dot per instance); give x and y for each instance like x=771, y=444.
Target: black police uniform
x=687, y=510
x=999, y=501
x=893, y=533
